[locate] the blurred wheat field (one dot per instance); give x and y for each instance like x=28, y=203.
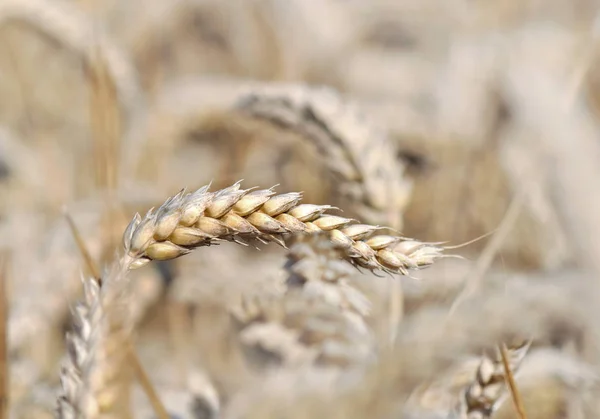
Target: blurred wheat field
x=457, y=136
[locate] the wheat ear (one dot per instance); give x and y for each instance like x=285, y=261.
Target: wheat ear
x=481, y=398
x=201, y=218
x=94, y=375
x=361, y=155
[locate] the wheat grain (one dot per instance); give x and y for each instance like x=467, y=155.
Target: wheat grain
x=201, y=218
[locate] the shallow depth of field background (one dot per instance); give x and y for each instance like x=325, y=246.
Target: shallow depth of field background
x=492, y=112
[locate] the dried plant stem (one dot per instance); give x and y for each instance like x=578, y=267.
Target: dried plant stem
x=490, y=251
x=3, y=338
x=105, y=122
x=395, y=309
x=85, y=254
x=146, y=384
x=510, y=382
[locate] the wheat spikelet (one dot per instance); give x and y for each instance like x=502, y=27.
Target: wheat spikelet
x=79, y=346
x=481, y=397
x=361, y=156
x=201, y=218
x=64, y=23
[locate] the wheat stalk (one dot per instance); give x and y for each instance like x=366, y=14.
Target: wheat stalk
x=94, y=374
x=186, y=221
x=4, y=383
x=479, y=399
x=362, y=157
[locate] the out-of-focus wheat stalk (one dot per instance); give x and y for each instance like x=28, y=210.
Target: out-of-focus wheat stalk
x=95, y=374
x=132, y=357
x=64, y=23
x=358, y=153
x=510, y=381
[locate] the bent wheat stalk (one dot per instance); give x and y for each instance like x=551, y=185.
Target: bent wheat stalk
x=186, y=221
x=361, y=155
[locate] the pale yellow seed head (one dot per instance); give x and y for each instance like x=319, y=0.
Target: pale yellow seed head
x=165, y=251
x=389, y=259
x=312, y=228
x=359, y=231
x=291, y=224
x=382, y=241
x=128, y=233
x=281, y=203
x=363, y=250
x=191, y=214
x=221, y=204
x=213, y=227
x=408, y=246
x=485, y=372
x=265, y=223
x=308, y=212
x=330, y=222
x=252, y=201
x=142, y=236
x=425, y=256
x=238, y=223
x=187, y=236
x=340, y=239
x=166, y=224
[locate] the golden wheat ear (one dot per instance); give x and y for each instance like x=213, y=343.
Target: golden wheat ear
x=186, y=221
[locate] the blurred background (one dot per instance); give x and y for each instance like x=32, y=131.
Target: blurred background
x=446, y=120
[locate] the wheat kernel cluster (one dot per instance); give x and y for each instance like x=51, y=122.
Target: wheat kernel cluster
x=201, y=218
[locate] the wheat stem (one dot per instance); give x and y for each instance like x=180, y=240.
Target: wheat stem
x=3, y=338
x=482, y=396
x=146, y=384
x=510, y=382
x=85, y=254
